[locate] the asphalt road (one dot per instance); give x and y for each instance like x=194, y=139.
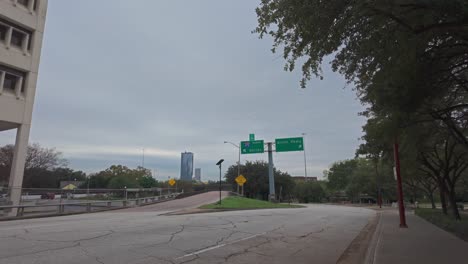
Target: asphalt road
x=316, y=234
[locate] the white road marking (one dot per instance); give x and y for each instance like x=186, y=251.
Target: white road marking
x=218, y=246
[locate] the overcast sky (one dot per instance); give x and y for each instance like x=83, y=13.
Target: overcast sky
x=173, y=76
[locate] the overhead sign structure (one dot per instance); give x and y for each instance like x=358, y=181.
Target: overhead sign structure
x=241, y=180
x=252, y=147
x=289, y=144
x=172, y=182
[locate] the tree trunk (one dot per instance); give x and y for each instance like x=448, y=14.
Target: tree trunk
x=443, y=201
x=453, y=203
x=431, y=197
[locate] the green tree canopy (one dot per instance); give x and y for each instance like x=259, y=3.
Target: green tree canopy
x=339, y=174
x=257, y=186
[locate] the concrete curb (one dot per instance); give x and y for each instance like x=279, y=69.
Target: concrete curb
x=205, y=211
x=358, y=250
x=374, y=243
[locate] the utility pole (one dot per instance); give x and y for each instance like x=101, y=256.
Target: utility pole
x=271, y=176
x=401, y=205
x=305, y=160
x=219, y=164
x=87, y=191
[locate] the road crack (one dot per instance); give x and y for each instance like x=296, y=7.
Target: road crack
x=41, y=251
x=175, y=233
x=97, y=259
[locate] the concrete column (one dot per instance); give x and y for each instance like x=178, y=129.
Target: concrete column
x=8, y=37
x=19, y=84
x=31, y=5
x=271, y=176
x=2, y=79
x=25, y=43
x=17, y=167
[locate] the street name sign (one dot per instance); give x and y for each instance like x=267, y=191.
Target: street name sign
x=289, y=144
x=251, y=147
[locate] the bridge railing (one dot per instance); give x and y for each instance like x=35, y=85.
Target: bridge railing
x=88, y=206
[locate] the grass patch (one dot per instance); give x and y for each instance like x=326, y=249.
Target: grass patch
x=448, y=223
x=235, y=202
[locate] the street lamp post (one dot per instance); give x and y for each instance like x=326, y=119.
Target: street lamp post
x=87, y=191
x=219, y=164
x=305, y=160
x=238, y=162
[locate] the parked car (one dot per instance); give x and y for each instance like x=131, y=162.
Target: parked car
x=50, y=196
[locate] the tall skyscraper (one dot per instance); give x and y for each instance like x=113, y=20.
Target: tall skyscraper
x=186, y=166
x=22, y=25
x=197, y=174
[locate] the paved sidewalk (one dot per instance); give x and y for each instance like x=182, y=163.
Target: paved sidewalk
x=421, y=242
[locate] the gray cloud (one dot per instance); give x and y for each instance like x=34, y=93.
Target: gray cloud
x=170, y=76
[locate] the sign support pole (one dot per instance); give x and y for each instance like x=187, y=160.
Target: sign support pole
x=271, y=177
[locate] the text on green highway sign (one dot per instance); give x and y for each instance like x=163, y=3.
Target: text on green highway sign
x=251, y=147
x=289, y=144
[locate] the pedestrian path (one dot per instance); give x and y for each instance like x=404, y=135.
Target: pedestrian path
x=422, y=242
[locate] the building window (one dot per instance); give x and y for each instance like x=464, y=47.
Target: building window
x=12, y=79
x=10, y=82
x=3, y=32
x=18, y=35
x=17, y=38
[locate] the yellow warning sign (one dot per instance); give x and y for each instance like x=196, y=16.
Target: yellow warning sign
x=241, y=180
x=172, y=182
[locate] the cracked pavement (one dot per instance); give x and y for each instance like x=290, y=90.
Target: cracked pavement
x=316, y=234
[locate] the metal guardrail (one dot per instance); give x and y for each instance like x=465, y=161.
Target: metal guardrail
x=89, y=204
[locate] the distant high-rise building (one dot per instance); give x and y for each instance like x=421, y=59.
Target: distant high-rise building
x=186, y=166
x=197, y=174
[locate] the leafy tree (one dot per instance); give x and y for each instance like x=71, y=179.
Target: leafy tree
x=370, y=41
x=147, y=181
x=408, y=62
x=37, y=157
x=119, y=176
x=339, y=174
x=44, y=167
x=257, y=186
x=361, y=180
x=361, y=176
x=310, y=192
x=122, y=181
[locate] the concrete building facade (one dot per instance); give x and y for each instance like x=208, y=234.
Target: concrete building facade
x=198, y=174
x=22, y=24
x=186, y=166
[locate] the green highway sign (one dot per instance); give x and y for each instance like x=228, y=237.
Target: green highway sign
x=289, y=144
x=251, y=137
x=251, y=147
